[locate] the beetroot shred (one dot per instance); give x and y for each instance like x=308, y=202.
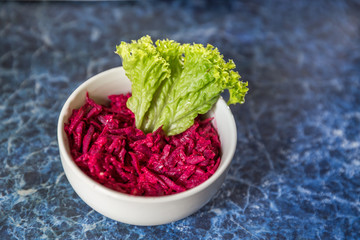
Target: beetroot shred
x=107, y=146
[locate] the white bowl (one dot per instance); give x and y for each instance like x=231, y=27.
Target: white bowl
x=138, y=210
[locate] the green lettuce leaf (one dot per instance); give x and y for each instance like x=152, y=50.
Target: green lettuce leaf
x=146, y=70
x=172, y=83
x=172, y=52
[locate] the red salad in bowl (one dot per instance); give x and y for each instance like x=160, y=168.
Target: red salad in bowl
x=108, y=147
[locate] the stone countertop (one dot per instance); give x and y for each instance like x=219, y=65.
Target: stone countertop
x=296, y=170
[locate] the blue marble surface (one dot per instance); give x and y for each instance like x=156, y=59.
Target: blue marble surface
x=296, y=170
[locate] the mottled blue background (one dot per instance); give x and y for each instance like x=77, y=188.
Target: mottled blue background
x=296, y=170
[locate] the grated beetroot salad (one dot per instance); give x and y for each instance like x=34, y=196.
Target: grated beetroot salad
x=107, y=146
